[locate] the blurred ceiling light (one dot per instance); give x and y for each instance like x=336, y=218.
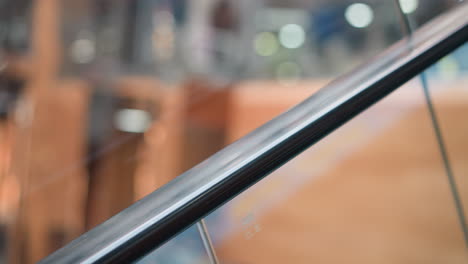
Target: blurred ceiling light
x=409, y=6
x=132, y=120
x=359, y=15
x=292, y=36
x=83, y=51
x=288, y=73
x=266, y=44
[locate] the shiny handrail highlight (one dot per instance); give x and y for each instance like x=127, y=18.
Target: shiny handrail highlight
x=171, y=209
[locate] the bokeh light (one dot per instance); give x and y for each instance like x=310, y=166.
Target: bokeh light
x=266, y=44
x=359, y=15
x=409, y=6
x=292, y=36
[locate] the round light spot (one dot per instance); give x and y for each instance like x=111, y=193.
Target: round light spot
x=409, y=6
x=266, y=44
x=292, y=36
x=359, y=15
x=83, y=51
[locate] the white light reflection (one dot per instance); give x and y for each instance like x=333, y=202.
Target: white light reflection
x=292, y=36
x=409, y=6
x=132, y=120
x=83, y=51
x=359, y=15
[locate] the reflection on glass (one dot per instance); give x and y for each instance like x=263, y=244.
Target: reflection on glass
x=374, y=191
x=449, y=97
x=186, y=248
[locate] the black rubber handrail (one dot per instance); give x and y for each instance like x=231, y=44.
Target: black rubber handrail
x=176, y=206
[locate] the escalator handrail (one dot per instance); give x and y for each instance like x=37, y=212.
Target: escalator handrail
x=171, y=209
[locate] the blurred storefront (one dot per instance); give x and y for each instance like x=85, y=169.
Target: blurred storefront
x=102, y=102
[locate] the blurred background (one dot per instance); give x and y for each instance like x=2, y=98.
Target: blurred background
x=104, y=101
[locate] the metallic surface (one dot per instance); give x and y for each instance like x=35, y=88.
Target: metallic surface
x=205, y=236
x=168, y=211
